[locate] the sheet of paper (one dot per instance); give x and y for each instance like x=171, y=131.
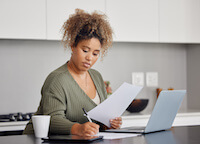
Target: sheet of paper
x=109, y=135
x=115, y=104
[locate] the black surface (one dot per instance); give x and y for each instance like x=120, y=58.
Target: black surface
x=177, y=135
x=71, y=138
x=7, y=133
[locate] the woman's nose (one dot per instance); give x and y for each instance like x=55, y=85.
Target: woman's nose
x=89, y=56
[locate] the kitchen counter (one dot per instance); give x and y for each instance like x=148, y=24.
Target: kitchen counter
x=13, y=126
x=187, y=118
x=176, y=135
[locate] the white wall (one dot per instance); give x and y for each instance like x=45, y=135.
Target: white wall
x=24, y=65
x=169, y=60
x=193, y=76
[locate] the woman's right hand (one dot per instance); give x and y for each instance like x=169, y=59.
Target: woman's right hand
x=86, y=129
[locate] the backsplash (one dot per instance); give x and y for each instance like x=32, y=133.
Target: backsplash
x=25, y=65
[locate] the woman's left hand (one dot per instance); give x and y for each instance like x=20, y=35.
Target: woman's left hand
x=116, y=123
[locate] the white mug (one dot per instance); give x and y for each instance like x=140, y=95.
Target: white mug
x=41, y=125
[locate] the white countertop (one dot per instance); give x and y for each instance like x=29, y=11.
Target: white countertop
x=182, y=119
x=13, y=126
x=190, y=117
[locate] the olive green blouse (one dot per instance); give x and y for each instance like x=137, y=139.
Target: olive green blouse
x=63, y=99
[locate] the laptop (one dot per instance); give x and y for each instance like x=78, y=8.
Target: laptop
x=163, y=115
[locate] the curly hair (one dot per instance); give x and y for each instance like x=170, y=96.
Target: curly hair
x=84, y=26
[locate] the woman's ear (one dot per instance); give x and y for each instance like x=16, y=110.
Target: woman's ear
x=72, y=49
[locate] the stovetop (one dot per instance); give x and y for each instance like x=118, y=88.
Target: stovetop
x=13, y=117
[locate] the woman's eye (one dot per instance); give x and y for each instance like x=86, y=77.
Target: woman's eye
x=85, y=51
x=95, y=54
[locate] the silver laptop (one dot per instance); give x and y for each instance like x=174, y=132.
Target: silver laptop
x=163, y=115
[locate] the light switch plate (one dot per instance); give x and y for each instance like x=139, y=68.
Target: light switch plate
x=138, y=78
x=152, y=79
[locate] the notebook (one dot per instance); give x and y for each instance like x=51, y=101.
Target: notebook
x=71, y=138
x=163, y=115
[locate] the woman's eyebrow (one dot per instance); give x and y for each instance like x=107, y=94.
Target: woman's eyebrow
x=90, y=48
x=86, y=47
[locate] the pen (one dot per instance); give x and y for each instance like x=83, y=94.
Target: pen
x=85, y=114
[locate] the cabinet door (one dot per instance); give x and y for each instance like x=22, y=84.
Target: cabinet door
x=172, y=20
x=193, y=21
x=58, y=12
x=22, y=19
x=134, y=20
x=180, y=21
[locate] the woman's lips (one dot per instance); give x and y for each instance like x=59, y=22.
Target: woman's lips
x=87, y=65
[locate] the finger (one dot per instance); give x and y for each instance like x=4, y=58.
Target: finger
x=86, y=129
x=115, y=125
x=93, y=131
x=93, y=128
x=118, y=118
x=88, y=132
x=94, y=125
x=115, y=122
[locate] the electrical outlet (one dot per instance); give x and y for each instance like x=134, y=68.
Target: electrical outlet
x=152, y=79
x=138, y=78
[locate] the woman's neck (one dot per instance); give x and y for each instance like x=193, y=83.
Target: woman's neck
x=81, y=77
x=74, y=70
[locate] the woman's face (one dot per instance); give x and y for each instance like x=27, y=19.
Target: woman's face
x=86, y=53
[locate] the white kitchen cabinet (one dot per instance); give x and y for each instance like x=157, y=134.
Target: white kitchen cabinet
x=179, y=21
x=193, y=21
x=22, y=19
x=133, y=20
x=58, y=12
x=172, y=19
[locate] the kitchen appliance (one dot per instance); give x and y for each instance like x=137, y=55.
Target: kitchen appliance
x=13, y=117
x=13, y=123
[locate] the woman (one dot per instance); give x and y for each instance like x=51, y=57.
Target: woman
x=75, y=85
